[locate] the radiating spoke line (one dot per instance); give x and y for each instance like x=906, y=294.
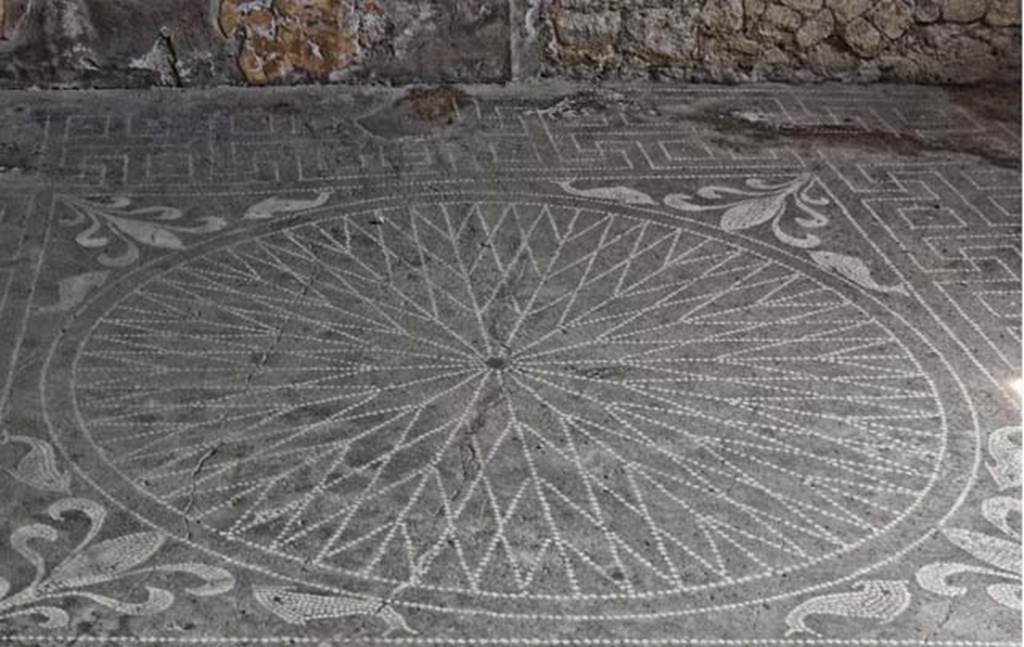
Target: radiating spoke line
x=587, y=402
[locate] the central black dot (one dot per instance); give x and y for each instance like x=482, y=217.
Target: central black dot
x=497, y=363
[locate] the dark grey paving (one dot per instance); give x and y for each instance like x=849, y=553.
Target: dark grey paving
x=482, y=366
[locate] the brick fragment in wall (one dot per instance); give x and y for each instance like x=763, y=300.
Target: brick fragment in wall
x=314, y=38
x=815, y=29
x=891, y=17
x=964, y=10
x=862, y=37
x=847, y=10
x=1003, y=13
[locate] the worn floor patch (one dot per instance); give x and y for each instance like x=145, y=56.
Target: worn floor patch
x=510, y=366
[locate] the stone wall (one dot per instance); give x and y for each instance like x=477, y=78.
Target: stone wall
x=937, y=41
x=141, y=43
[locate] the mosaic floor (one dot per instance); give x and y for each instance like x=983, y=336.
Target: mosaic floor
x=544, y=366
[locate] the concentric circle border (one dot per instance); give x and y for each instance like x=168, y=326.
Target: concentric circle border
x=950, y=482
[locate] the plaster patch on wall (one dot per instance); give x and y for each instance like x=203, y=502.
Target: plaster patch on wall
x=312, y=38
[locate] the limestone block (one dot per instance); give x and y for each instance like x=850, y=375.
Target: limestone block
x=964, y=10
x=1003, y=13
x=833, y=62
x=815, y=29
x=662, y=35
x=582, y=29
x=847, y=10
x=723, y=16
x=778, y=23
x=927, y=11
x=588, y=35
x=891, y=17
x=862, y=37
x=805, y=7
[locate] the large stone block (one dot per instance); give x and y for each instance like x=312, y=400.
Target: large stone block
x=815, y=29
x=862, y=37
x=891, y=17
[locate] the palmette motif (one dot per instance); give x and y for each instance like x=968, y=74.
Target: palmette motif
x=38, y=467
x=757, y=203
x=93, y=563
x=999, y=555
x=116, y=224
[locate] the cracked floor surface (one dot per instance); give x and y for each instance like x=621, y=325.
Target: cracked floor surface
x=538, y=365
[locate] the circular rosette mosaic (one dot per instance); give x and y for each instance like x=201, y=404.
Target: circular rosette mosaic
x=485, y=400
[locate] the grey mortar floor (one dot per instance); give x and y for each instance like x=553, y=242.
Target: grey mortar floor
x=536, y=365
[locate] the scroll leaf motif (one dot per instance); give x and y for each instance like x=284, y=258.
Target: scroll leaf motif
x=936, y=577
x=883, y=600
x=275, y=206
x=1005, y=467
x=157, y=601
x=807, y=242
x=752, y=213
x=215, y=580
x=623, y=194
x=105, y=561
x=114, y=221
x=994, y=551
x=854, y=269
x=148, y=233
x=53, y=617
x=91, y=563
x=683, y=202
x=297, y=608
x=997, y=511
x=761, y=202
x=38, y=468
x=1008, y=595
x=1000, y=555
